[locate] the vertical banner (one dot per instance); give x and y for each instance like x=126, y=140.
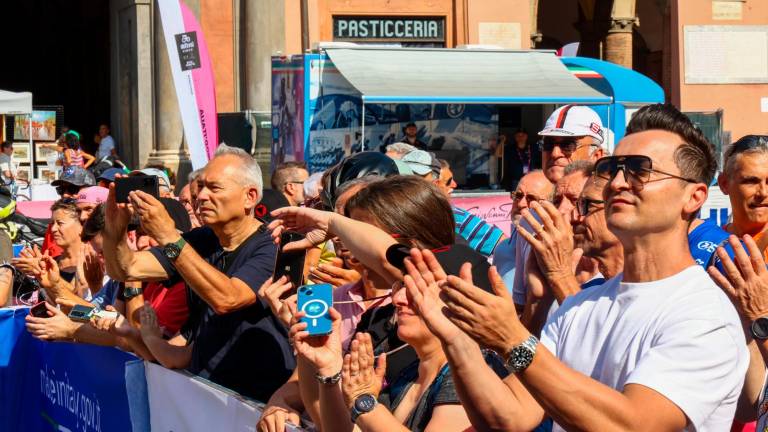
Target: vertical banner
x=193, y=79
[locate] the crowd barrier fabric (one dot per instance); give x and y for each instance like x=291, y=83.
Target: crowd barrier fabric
x=69, y=387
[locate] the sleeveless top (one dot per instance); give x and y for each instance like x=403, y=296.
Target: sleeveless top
x=75, y=157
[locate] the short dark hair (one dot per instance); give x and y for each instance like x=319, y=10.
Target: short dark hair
x=68, y=205
x=695, y=156
x=94, y=224
x=6, y=144
x=284, y=173
x=444, y=163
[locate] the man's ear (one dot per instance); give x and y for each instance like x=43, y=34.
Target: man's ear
x=723, y=182
x=597, y=154
x=697, y=199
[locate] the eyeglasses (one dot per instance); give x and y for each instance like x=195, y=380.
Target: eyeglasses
x=68, y=189
x=518, y=195
x=637, y=170
x=567, y=145
x=583, y=205
x=449, y=181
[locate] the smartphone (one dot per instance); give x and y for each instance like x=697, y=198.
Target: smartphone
x=39, y=310
x=81, y=313
x=290, y=264
x=144, y=183
x=315, y=301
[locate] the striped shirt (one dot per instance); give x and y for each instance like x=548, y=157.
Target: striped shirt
x=75, y=157
x=481, y=236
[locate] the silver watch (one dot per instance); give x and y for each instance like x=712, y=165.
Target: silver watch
x=521, y=356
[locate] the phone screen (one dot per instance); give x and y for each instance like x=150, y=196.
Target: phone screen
x=144, y=183
x=80, y=313
x=290, y=264
x=39, y=310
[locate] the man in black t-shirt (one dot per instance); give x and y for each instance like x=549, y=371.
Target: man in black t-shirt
x=230, y=338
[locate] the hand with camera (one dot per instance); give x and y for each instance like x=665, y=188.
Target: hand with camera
x=322, y=352
x=119, y=215
x=56, y=327
x=272, y=292
x=155, y=220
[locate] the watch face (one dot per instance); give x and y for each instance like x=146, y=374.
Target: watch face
x=365, y=403
x=172, y=251
x=760, y=328
x=520, y=358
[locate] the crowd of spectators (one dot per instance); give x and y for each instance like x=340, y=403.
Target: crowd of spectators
x=610, y=306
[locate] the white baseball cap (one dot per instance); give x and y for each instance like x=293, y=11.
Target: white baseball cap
x=574, y=120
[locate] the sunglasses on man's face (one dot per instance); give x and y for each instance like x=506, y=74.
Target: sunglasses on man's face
x=519, y=195
x=567, y=145
x=584, y=205
x=67, y=189
x=637, y=170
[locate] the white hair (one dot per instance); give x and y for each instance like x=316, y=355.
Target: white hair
x=312, y=185
x=249, y=171
x=194, y=175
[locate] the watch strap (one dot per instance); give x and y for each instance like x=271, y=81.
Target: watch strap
x=355, y=413
x=528, y=345
x=131, y=292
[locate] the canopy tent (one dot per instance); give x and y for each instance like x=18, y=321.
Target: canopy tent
x=422, y=75
x=15, y=103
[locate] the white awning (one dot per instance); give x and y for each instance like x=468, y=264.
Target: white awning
x=15, y=103
x=416, y=75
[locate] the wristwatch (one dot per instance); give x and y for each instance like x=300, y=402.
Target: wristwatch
x=328, y=380
x=759, y=328
x=521, y=356
x=173, y=250
x=131, y=292
x=363, y=404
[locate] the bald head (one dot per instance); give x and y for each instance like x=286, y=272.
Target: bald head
x=534, y=186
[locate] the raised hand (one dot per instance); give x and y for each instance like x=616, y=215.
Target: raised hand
x=489, y=319
x=314, y=224
x=422, y=279
x=322, y=352
x=333, y=274
x=746, y=281
x=155, y=220
x=271, y=292
x=93, y=268
x=118, y=215
x=551, y=240
x=358, y=375
x=150, y=325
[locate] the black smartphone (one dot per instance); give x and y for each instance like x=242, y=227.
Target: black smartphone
x=39, y=310
x=144, y=183
x=290, y=264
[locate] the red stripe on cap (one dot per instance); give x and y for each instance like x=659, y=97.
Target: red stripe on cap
x=563, y=114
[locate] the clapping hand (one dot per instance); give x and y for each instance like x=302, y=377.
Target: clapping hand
x=551, y=240
x=358, y=375
x=746, y=281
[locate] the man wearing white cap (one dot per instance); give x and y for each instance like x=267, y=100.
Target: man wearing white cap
x=572, y=132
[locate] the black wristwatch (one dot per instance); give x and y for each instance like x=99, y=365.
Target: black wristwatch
x=173, y=250
x=521, y=356
x=759, y=328
x=363, y=404
x=131, y=292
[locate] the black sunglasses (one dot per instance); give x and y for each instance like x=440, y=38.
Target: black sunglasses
x=567, y=145
x=637, y=170
x=69, y=189
x=583, y=205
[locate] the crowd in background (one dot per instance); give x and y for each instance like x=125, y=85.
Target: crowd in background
x=610, y=306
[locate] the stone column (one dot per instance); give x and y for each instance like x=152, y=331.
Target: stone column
x=263, y=35
x=169, y=145
x=618, y=41
x=534, y=17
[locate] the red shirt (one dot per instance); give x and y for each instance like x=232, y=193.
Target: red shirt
x=49, y=245
x=170, y=304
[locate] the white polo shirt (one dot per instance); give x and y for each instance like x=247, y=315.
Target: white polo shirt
x=679, y=336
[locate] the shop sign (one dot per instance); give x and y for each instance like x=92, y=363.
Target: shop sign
x=372, y=28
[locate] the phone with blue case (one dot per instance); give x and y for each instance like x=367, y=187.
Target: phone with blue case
x=315, y=301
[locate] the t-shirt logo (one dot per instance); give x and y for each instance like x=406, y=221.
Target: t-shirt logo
x=707, y=246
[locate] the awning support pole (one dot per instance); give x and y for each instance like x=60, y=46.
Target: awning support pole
x=362, y=137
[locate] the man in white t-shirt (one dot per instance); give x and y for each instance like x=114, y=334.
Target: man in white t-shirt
x=658, y=347
x=107, y=143
x=7, y=167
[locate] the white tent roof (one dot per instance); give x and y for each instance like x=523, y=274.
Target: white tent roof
x=418, y=75
x=15, y=103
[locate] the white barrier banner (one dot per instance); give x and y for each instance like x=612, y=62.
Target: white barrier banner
x=182, y=402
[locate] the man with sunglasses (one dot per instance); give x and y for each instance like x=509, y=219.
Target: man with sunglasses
x=72, y=180
x=658, y=347
x=572, y=132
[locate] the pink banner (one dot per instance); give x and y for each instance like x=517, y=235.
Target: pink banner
x=494, y=209
x=205, y=89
